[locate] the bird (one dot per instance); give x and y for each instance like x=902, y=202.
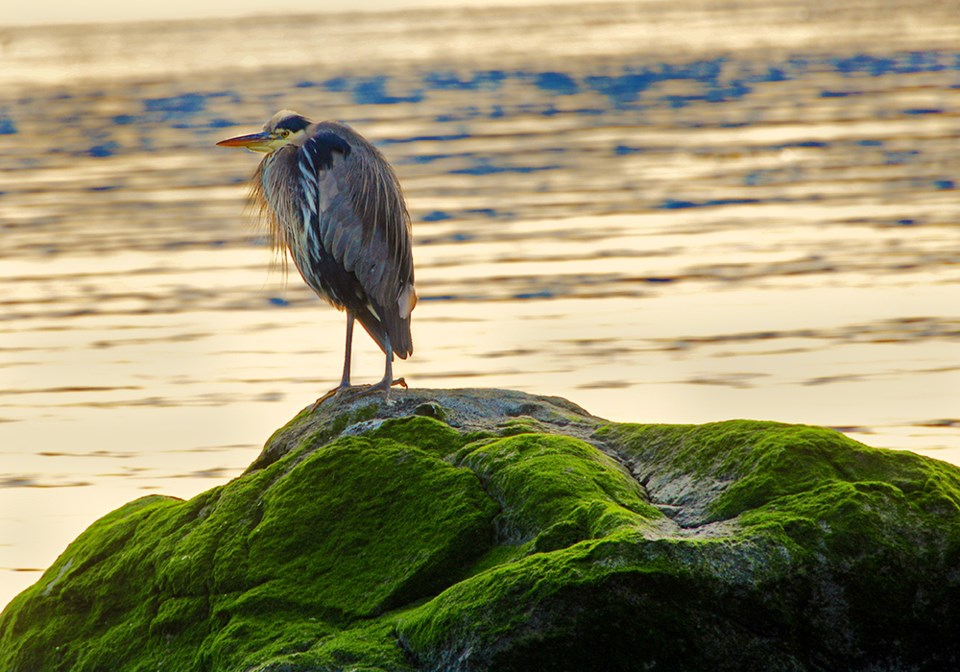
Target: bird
x=333, y=201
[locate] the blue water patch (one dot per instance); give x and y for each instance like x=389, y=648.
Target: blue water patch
x=542, y=294
x=488, y=80
x=912, y=62
x=125, y=119
x=106, y=187
x=658, y=280
x=863, y=64
x=803, y=144
x=906, y=222
x=278, y=301
x=923, y=110
x=715, y=96
x=234, y=97
x=919, y=61
x=484, y=168
x=446, y=239
x=627, y=88
x=487, y=212
x=625, y=150
x=677, y=102
x=556, y=83
x=797, y=65
x=733, y=91
x=839, y=94
x=438, y=297
x=372, y=91
x=701, y=71
x=773, y=74
x=186, y=103
x=103, y=150
x=425, y=138
x=222, y=123
x=901, y=157
x=870, y=143
x=463, y=114
x=436, y=216
x=622, y=89
x=732, y=201
x=7, y=127
x=944, y=184
x=423, y=159
x=337, y=85
x=674, y=204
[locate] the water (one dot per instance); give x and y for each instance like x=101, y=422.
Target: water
x=666, y=213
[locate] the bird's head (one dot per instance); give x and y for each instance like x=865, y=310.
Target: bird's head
x=283, y=128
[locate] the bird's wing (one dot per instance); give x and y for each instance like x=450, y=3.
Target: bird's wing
x=360, y=217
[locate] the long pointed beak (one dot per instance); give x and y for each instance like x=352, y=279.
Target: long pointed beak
x=255, y=142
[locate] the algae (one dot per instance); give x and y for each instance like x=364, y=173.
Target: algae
x=464, y=531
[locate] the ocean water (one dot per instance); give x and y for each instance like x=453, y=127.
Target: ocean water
x=665, y=212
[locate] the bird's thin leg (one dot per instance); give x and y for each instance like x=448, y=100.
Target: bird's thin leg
x=347, y=354
x=355, y=393
x=387, y=381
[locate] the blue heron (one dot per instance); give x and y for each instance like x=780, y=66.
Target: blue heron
x=333, y=201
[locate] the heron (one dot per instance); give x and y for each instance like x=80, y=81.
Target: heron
x=333, y=201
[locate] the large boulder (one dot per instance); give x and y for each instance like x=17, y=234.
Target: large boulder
x=494, y=530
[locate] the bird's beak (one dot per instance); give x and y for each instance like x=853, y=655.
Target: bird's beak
x=255, y=142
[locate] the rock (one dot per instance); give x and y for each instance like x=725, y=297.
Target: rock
x=493, y=530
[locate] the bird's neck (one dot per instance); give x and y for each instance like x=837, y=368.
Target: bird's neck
x=278, y=182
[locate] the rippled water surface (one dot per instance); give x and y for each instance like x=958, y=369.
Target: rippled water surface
x=663, y=212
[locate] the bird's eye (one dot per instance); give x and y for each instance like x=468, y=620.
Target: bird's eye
x=283, y=132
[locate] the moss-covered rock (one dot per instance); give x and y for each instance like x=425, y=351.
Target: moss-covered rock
x=492, y=530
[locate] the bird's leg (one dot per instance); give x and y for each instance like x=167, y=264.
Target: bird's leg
x=345, y=380
x=347, y=353
x=387, y=381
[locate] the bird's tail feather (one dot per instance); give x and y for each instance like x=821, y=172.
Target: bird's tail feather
x=398, y=329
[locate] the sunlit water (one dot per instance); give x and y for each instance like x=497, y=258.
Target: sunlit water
x=662, y=213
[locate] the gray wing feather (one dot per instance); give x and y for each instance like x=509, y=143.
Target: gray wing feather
x=362, y=219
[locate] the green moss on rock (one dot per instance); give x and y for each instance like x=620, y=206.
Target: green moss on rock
x=555, y=488
x=748, y=463
x=514, y=533
x=425, y=433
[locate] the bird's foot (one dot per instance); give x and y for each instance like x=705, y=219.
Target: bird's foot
x=351, y=392
x=340, y=392
x=383, y=386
